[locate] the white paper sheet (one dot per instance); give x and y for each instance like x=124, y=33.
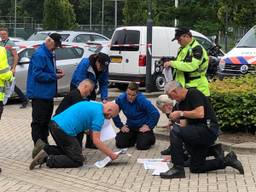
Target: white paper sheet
x=167, y=72
x=157, y=167
x=102, y=163
x=149, y=160
x=107, y=131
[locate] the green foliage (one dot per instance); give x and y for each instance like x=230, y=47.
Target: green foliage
x=233, y=100
x=58, y=14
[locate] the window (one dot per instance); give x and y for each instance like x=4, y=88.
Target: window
x=82, y=38
x=249, y=40
x=204, y=42
x=26, y=53
x=99, y=38
x=38, y=37
x=124, y=36
x=69, y=53
x=64, y=37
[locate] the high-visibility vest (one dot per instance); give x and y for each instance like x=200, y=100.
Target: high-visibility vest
x=5, y=73
x=190, y=70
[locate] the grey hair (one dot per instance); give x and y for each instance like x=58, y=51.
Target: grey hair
x=171, y=85
x=164, y=99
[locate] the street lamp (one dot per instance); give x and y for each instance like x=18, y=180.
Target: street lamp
x=15, y=15
x=176, y=3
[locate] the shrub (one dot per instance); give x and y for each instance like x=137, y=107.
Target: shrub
x=233, y=100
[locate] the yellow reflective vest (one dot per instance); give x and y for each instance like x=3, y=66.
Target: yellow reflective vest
x=190, y=67
x=5, y=73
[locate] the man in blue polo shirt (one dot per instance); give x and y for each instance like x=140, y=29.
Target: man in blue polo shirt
x=141, y=116
x=64, y=128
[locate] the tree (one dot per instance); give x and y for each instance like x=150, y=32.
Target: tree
x=58, y=14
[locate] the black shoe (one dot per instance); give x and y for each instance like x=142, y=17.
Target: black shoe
x=24, y=104
x=232, y=161
x=216, y=151
x=166, y=151
x=40, y=144
x=174, y=172
x=39, y=159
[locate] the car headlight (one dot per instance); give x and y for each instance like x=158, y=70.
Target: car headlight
x=222, y=65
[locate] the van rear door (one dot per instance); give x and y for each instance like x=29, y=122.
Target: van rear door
x=124, y=52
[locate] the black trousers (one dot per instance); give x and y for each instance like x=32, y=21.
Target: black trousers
x=20, y=94
x=41, y=116
x=143, y=140
x=67, y=153
x=197, y=139
x=1, y=108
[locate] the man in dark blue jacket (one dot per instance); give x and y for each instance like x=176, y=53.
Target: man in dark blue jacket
x=141, y=116
x=42, y=86
x=94, y=68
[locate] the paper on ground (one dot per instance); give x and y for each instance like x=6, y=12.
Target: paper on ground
x=149, y=160
x=107, y=132
x=158, y=167
x=102, y=163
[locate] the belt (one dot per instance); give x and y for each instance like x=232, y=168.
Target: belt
x=193, y=78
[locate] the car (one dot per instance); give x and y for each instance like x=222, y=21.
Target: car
x=69, y=36
x=241, y=59
x=68, y=57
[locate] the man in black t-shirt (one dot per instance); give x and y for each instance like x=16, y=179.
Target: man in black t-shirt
x=196, y=126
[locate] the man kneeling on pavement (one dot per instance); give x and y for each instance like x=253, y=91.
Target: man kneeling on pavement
x=64, y=128
x=198, y=132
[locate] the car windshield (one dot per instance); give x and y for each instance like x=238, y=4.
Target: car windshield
x=249, y=39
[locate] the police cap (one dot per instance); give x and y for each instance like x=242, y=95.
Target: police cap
x=179, y=32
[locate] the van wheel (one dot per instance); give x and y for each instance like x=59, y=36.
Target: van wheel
x=122, y=86
x=159, y=82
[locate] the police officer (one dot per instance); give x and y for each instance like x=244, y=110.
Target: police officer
x=191, y=64
x=5, y=75
x=196, y=126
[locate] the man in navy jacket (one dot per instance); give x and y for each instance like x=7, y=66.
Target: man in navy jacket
x=42, y=86
x=141, y=116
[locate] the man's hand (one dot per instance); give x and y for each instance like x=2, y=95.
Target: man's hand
x=167, y=64
x=114, y=156
x=175, y=115
x=60, y=73
x=13, y=70
x=125, y=129
x=144, y=129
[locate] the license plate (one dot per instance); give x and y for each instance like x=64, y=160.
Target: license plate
x=116, y=59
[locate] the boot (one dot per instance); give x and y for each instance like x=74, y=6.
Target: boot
x=216, y=151
x=166, y=151
x=40, y=144
x=174, y=172
x=232, y=161
x=39, y=159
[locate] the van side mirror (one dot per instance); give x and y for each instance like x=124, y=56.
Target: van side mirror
x=24, y=60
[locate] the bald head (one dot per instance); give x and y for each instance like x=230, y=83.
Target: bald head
x=110, y=109
x=86, y=87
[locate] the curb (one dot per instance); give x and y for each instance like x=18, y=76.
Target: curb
x=242, y=148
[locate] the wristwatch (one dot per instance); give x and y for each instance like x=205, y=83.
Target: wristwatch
x=182, y=114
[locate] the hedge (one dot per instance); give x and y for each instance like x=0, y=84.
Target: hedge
x=234, y=102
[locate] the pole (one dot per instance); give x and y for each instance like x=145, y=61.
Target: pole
x=149, y=48
x=102, y=17
x=226, y=31
x=90, y=15
x=115, y=13
x=15, y=17
x=176, y=3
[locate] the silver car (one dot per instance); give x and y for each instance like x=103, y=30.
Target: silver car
x=68, y=57
x=69, y=36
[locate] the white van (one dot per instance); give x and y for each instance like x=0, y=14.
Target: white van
x=242, y=58
x=128, y=54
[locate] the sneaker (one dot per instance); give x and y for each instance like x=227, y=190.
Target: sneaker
x=166, y=151
x=39, y=159
x=89, y=143
x=40, y=144
x=232, y=161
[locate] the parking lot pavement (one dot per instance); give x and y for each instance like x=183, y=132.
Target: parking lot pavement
x=124, y=174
